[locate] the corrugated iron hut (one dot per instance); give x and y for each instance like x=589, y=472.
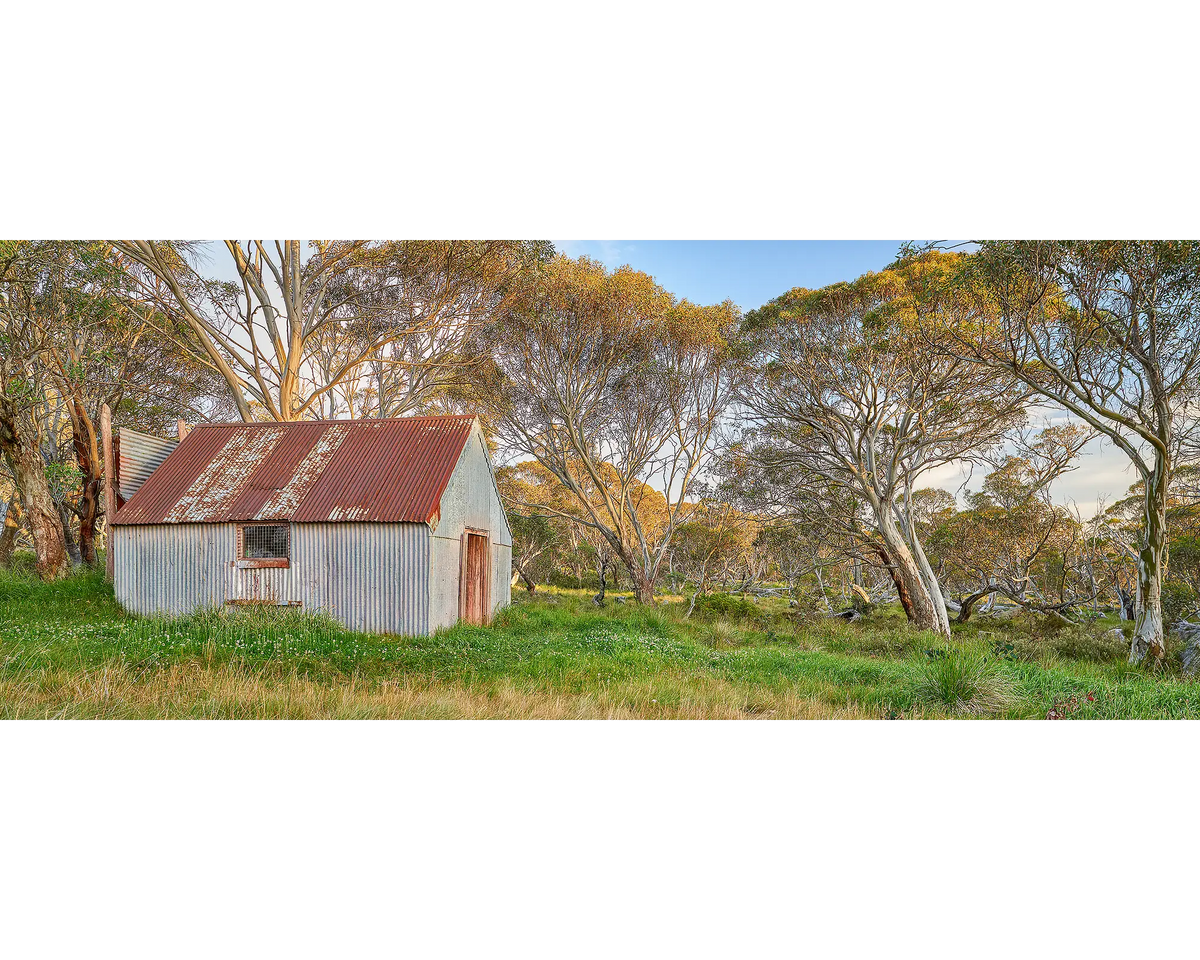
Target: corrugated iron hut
x=393, y=526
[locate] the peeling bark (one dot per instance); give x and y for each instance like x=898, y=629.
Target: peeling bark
x=901, y=589
x=41, y=513
x=1148, y=638
x=905, y=570
x=931, y=584
x=639, y=579
x=87, y=455
x=643, y=586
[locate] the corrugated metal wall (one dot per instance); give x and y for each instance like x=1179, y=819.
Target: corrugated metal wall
x=172, y=570
x=369, y=576
x=138, y=456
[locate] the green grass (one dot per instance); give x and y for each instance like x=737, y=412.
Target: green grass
x=67, y=650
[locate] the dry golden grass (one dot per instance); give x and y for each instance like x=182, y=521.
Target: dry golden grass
x=198, y=690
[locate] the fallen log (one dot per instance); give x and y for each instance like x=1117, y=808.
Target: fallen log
x=848, y=615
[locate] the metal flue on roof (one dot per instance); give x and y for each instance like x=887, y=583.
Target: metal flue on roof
x=391, y=471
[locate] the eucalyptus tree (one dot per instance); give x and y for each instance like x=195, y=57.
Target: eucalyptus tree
x=843, y=390
x=713, y=544
x=25, y=272
x=304, y=317
x=1109, y=330
x=535, y=501
x=76, y=338
x=617, y=388
x=1012, y=540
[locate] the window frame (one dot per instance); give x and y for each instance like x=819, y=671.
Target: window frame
x=255, y=563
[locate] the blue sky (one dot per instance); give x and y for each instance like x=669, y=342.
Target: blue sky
x=748, y=272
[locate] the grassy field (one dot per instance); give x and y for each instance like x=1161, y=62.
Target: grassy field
x=67, y=650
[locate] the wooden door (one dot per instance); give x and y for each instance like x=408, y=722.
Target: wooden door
x=474, y=588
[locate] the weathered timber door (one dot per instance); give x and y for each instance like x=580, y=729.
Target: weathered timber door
x=474, y=603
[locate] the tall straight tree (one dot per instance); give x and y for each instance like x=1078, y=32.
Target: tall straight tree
x=843, y=390
x=617, y=389
x=304, y=317
x=1109, y=330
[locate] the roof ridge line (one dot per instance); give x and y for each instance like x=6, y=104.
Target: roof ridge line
x=300, y=423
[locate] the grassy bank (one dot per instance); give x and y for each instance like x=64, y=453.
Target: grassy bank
x=67, y=650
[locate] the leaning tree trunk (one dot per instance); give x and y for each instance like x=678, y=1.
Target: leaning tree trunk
x=967, y=607
x=519, y=572
x=904, y=565
x=12, y=526
x=931, y=584
x=1151, y=567
x=901, y=589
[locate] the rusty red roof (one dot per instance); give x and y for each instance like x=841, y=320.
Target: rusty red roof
x=391, y=471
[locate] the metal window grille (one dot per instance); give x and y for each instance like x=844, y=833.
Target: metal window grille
x=265, y=542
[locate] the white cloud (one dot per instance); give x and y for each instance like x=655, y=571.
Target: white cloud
x=570, y=248
x=611, y=253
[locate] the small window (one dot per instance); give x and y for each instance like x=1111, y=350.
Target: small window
x=264, y=544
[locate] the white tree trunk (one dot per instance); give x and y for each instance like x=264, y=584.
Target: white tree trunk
x=931, y=583
x=1151, y=565
x=924, y=615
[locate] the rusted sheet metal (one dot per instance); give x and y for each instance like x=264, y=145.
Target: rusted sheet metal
x=170, y=481
x=210, y=495
x=288, y=473
x=388, y=470
x=392, y=471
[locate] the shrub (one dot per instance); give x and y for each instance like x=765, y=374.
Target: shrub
x=1179, y=601
x=723, y=634
x=726, y=606
x=1097, y=645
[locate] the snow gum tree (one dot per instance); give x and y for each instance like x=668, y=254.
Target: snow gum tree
x=1109, y=330
x=618, y=389
x=843, y=388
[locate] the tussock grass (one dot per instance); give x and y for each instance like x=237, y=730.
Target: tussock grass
x=966, y=680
